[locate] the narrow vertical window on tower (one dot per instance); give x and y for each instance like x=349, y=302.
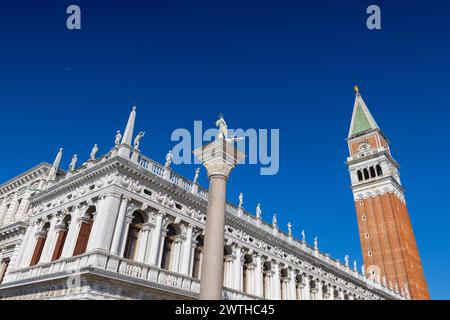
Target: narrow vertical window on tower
x=360, y=176
x=372, y=172
x=366, y=174
x=379, y=170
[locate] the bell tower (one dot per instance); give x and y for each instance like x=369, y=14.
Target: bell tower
x=387, y=240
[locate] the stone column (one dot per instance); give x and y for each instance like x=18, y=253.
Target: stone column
x=299, y=291
x=306, y=289
x=10, y=212
x=24, y=205
x=276, y=282
x=126, y=228
x=319, y=290
x=28, y=245
x=284, y=289
x=156, y=239
x=142, y=243
x=72, y=233
x=228, y=271
x=2, y=211
x=238, y=269
x=292, y=289
x=119, y=228
x=50, y=241
x=219, y=157
x=103, y=228
x=187, y=251
x=330, y=289
x=259, y=277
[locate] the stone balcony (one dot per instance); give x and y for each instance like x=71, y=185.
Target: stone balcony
x=113, y=267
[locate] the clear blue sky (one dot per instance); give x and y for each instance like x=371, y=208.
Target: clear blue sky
x=264, y=64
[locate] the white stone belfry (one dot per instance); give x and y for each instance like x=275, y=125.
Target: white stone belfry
x=125, y=146
x=219, y=157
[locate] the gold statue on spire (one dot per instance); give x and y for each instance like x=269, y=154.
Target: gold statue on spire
x=356, y=88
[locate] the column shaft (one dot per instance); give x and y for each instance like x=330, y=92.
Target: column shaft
x=212, y=265
x=119, y=228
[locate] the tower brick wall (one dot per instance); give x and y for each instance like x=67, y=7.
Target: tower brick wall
x=388, y=244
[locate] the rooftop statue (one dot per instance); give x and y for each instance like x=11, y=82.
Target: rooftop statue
x=137, y=140
x=94, y=152
x=118, y=138
x=241, y=199
x=73, y=162
x=169, y=158
x=258, y=211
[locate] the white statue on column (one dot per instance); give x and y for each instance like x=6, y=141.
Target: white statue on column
x=258, y=211
x=118, y=138
x=363, y=270
x=346, y=260
x=169, y=158
x=137, y=140
x=303, y=236
x=223, y=129
x=73, y=162
x=93, y=152
x=241, y=199
x=354, y=266
x=289, y=225
x=197, y=172
x=316, y=243
x=274, y=221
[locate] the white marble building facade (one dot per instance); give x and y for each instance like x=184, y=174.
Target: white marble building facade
x=122, y=226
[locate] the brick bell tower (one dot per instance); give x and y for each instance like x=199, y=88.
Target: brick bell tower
x=387, y=240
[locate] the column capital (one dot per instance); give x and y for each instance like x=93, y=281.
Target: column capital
x=219, y=157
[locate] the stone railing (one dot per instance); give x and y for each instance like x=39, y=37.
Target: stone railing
x=186, y=184
x=119, y=266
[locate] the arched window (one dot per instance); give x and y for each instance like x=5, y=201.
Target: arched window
x=228, y=266
x=366, y=174
x=196, y=268
x=133, y=236
x=85, y=232
x=168, y=260
x=267, y=272
x=284, y=283
x=61, y=237
x=360, y=176
x=313, y=290
x=372, y=172
x=298, y=287
x=41, y=237
x=379, y=170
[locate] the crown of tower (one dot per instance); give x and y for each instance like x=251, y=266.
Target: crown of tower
x=362, y=119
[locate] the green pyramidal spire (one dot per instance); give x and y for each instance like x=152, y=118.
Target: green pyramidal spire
x=362, y=119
